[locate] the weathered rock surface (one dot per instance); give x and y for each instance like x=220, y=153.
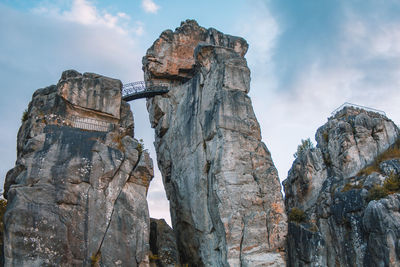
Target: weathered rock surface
x=224, y=192
x=91, y=91
x=77, y=197
x=342, y=227
x=163, y=244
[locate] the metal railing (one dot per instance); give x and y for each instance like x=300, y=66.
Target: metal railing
x=132, y=88
x=347, y=104
x=136, y=90
x=90, y=124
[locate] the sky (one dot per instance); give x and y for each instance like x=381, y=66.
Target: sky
x=306, y=59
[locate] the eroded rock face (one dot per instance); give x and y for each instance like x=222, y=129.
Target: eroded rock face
x=77, y=197
x=342, y=226
x=224, y=192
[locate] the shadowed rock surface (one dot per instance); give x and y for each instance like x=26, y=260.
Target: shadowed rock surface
x=163, y=244
x=224, y=192
x=333, y=185
x=77, y=196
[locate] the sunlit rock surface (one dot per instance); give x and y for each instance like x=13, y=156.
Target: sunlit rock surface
x=224, y=192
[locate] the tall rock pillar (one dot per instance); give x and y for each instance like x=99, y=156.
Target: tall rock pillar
x=224, y=192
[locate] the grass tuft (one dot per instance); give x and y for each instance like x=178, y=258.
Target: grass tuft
x=391, y=153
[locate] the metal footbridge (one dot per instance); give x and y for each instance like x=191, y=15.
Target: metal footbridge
x=137, y=90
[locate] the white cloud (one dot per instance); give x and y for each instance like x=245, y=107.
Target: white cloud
x=362, y=68
x=149, y=6
x=86, y=13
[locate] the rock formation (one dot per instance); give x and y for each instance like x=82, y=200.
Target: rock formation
x=342, y=208
x=77, y=195
x=224, y=192
x=163, y=244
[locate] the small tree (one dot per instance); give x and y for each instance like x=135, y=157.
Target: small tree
x=303, y=147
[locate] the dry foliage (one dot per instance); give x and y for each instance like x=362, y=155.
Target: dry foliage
x=350, y=186
x=95, y=259
x=392, y=153
x=24, y=116
x=297, y=215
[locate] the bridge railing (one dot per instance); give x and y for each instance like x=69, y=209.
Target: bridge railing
x=347, y=104
x=140, y=86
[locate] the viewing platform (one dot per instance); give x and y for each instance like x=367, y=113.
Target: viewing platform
x=355, y=106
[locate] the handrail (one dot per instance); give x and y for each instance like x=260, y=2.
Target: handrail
x=135, y=90
x=347, y=104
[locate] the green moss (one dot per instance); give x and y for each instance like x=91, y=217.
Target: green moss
x=297, y=215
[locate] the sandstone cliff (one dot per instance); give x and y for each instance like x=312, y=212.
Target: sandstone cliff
x=77, y=195
x=224, y=192
x=342, y=195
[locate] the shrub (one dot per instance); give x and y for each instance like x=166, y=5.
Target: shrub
x=392, y=183
x=140, y=146
x=95, y=259
x=297, y=215
x=24, y=116
x=303, y=147
x=377, y=192
x=349, y=186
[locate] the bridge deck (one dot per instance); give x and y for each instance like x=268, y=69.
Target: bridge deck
x=137, y=90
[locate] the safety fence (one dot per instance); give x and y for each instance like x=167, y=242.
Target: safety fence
x=347, y=104
x=90, y=124
x=136, y=90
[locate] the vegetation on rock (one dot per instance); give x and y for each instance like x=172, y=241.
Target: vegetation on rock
x=24, y=116
x=297, y=215
x=303, y=147
x=140, y=146
x=391, y=185
x=3, y=206
x=391, y=153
